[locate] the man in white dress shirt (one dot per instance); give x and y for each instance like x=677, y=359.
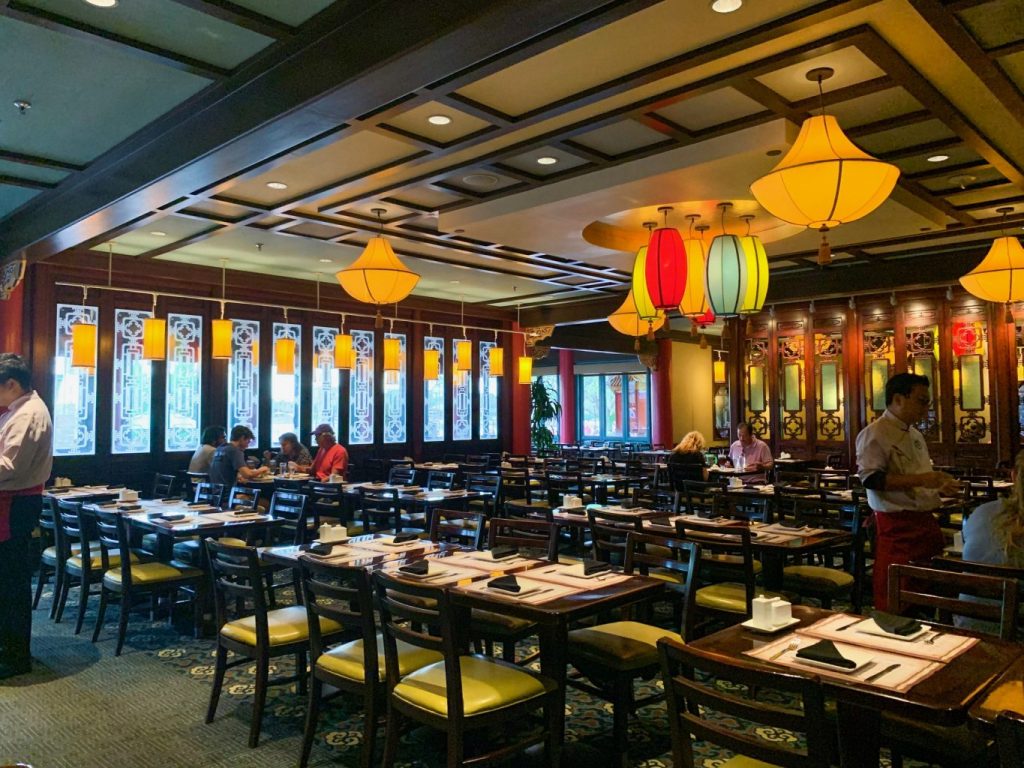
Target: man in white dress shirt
x=26, y=458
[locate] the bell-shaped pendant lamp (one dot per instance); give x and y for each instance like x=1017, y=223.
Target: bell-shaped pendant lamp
x=757, y=272
x=377, y=276
x=496, y=361
x=665, y=265
x=284, y=356
x=431, y=364
x=525, y=369
x=344, y=355
x=627, y=320
x=392, y=355
x=154, y=338
x=463, y=356
x=1000, y=275
x=725, y=278
x=83, y=345
x=695, y=297
x=824, y=180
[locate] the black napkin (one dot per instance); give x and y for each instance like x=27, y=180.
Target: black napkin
x=114, y=487
x=172, y=518
x=504, y=550
x=895, y=625
x=170, y=499
x=199, y=504
x=419, y=568
x=404, y=537
x=506, y=583
x=590, y=567
x=825, y=651
x=129, y=507
x=56, y=491
x=317, y=549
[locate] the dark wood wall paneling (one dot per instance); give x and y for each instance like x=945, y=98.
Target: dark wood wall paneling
x=137, y=469
x=876, y=312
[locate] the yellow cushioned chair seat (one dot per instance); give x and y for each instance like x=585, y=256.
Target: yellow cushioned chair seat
x=50, y=553
x=487, y=685
x=957, y=519
x=816, y=577
x=284, y=625
x=742, y=761
x=728, y=596
x=151, y=573
x=619, y=645
x=348, y=660
x=96, y=562
x=484, y=621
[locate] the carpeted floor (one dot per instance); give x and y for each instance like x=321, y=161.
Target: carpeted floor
x=82, y=707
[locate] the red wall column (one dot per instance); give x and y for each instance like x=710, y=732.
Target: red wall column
x=11, y=329
x=520, y=398
x=661, y=397
x=567, y=395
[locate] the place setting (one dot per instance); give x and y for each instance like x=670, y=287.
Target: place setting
x=886, y=632
x=434, y=571
x=520, y=589
x=587, y=574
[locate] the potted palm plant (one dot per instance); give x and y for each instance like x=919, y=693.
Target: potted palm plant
x=545, y=407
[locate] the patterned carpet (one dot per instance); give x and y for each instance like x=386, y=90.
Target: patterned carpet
x=82, y=707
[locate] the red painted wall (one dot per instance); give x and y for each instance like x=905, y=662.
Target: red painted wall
x=11, y=328
x=567, y=395
x=661, y=397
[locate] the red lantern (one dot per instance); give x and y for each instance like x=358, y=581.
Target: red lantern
x=666, y=268
x=706, y=319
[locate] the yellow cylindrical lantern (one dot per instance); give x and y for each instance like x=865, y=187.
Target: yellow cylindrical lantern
x=1000, y=275
x=377, y=276
x=463, y=356
x=695, y=298
x=392, y=355
x=641, y=295
x=221, y=339
x=719, y=371
x=757, y=274
x=431, y=365
x=496, y=361
x=343, y=353
x=154, y=338
x=525, y=370
x=284, y=356
x=83, y=345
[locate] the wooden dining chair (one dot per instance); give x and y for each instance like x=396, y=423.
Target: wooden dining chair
x=490, y=486
x=1010, y=739
x=438, y=480
x=608, y=533
x=526, y=533
x=460, y=526
x=380, y=510
x=822, y=582
x=163, y=486
x=241, y=497
x=461, y=694
x=209, y=493
x=80, y=551
x=402, y=474
x=49, y=564
x=294, y=508
x=708, y=692
x=702, y=498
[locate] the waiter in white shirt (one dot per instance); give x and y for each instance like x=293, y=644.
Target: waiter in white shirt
x=26, y=458
x=902, y=489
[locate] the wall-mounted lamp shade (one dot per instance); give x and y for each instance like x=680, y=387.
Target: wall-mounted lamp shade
x=666, y=268
x=642, y=303
x=627, y=320
x=284, y=356
x=726, y=276
x=695, y=297
x=824, y=180
x=431, y=365
x=525, y=370
x=377, y=276
x=392, y=355
x=718, y=368
x=1020, y=374
x=83, y=345
x=496, y=361
x=154, y=338
x=757, y=274
x=220, y=343
x=1000, y=276
x=463, y=356
x=344, y=357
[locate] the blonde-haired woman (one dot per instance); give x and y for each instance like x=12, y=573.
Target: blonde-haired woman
x=687, y=460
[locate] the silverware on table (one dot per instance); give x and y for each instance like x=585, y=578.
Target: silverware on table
x=880, y=673
x=847, y=626
x=791, y=646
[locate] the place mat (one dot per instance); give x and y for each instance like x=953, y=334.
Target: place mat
x=716, y=521
x=231, y=517
x=910, y=672
x=546, y=591
x=619, y=510
x=945, y=648
x=790, y=531
x=440, y=573
x=559, y=574
x=383, y=545
x=481, y=561
x=760, y=537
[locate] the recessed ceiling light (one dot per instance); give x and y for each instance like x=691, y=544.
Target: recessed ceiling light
x=725, y=6
x=102, y=3
x=547, y=160
x=480, y=179
x=158, y=233
x=325, y=261
x=938, y=158
x=277, y=185
x=439, y=120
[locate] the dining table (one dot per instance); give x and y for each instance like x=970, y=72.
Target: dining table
x=936, y=677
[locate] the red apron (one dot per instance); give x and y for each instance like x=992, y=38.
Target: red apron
x=902, y=537
x=6, y=499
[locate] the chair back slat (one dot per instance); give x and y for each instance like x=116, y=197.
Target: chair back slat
x=646, y=551
x=458, y=525
x=608, y=533
x=209, y=493
x=236, y=574
x=244, y=498
x=292, y=506
x=380, y=509
x=164, y=485
x=525, y=533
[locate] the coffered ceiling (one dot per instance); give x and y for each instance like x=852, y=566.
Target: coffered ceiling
x=266, y=133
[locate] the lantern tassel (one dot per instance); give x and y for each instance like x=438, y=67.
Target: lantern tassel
x=1009, y=314
x=693, y=328
x=824, y=249
x=650, y=331
x=636, y=344
x=378, y=321
x=703, y=341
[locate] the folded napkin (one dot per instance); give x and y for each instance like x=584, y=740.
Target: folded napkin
x=199, y=504
x=404, y=537
x=505, y=583
x=114, y=487
x=317, y=549
x=503, y=551
x=825, y=652
x=174, y=518
x=170, y=499
x=419, y=568
x=895, y=625
x=590, y=567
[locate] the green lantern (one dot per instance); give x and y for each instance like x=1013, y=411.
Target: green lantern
x=726, y=276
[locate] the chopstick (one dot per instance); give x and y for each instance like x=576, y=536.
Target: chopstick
x=880, y=673
x=847, y=626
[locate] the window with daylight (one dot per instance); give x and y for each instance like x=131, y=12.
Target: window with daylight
x=286, y=388
x=394, y=395
x=133, y=392
x=244, y=376
x=615, y=406
x=488, y=394
x=590, y=402
x=551, y=382
x=462, y=396
x=360, y=398
x=74, y=389
x=636, y=405
x=433, y=392
x=326, y=378
x=184, y=394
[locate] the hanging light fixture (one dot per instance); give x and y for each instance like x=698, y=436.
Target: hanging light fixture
x=344, y=355
x=463, y=362
x=221, y=330
x=757, y=271
x=718, y=370
x=154, y=336
x=284, y=353
x=392, y=355
x=83, y=341
x=525, y=370
x=377, y=276
x=496, y=359
x=1000, y=275
x=643, y=305
x=726, y=275
x=431, y=364
x=695, y=297
x=824, y=180
x=626, y=320
x=665, y=266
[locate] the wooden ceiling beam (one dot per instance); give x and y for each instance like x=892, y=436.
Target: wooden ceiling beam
x=18, y=181
x=1006, y=49
x=39, y=162
x=941, y=171
x=241, y=16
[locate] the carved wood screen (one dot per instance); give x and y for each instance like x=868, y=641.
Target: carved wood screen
x=757, y=412
x=971, y=385
x=828, y=373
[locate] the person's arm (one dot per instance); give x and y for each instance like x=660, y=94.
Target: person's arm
x=765, y=460
x=14, y=437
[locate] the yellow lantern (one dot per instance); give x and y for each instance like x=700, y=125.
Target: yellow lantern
x=718, y=368
x=83, y=345
x=220, y=346
x=525, y=370
x=643, y=305
x=284, y=356
x=377, y=276
x=496, y=361
x=1000, y=275
x=757, y=274
x=154, y=339
x=695, y=298
x=463, y=356
x=344, y=356
x=431, y=364
x=626, y=320
x=392, y=355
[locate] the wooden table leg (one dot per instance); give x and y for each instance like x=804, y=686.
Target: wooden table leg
x=859, y=744
x=553, y=661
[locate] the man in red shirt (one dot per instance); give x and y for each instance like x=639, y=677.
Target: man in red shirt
x=331, y=457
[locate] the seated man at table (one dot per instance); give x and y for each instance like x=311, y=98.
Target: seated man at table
x=292, y=452
x=749, y=453
x=228, y=466
x=331, y=457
